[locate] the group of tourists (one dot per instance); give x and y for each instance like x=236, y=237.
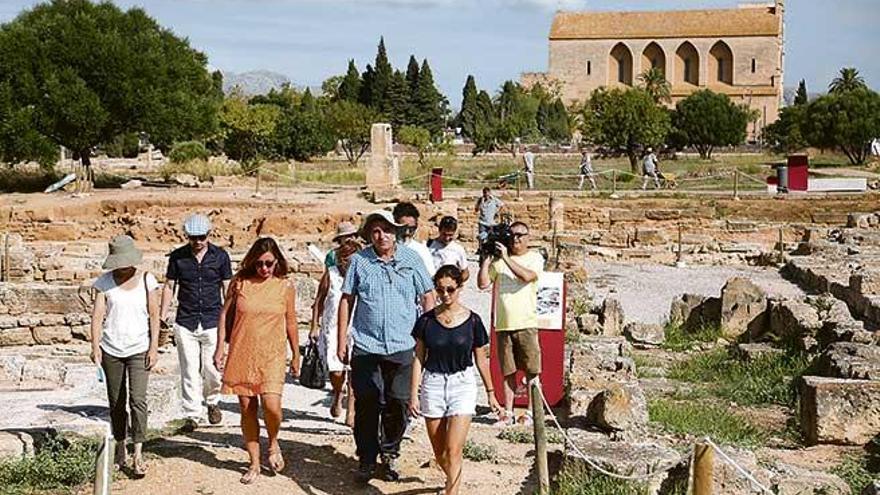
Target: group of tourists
x=388, y=321
x=650, y=170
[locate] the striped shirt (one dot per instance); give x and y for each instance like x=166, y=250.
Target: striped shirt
x=388, y=294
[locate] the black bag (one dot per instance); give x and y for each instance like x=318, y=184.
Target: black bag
x=312, y=374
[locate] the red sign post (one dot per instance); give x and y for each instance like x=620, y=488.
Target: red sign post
x=551, y=337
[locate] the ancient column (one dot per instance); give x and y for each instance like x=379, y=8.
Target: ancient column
x=381, y=170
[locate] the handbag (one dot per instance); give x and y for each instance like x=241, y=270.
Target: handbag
x=230, y=314
x=313, y=373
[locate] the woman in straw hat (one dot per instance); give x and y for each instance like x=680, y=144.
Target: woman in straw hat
x=261, y=304
x=125, y=341
x=323, y=328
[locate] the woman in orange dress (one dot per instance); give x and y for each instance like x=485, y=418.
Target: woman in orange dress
x=261, y=305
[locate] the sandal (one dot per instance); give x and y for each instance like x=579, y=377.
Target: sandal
x=250, y=476
x=276, y=460
x=138, y=467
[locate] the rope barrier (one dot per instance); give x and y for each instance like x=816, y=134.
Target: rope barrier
x=595, y=465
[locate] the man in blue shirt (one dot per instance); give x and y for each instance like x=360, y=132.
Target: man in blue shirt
x=200, y=272
x=383, y=284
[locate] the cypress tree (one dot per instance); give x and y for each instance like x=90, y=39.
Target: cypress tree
x=467, y=118
x=308, y=103
x=365, y=95
x=801, y=98
x=350, y=87
x=398, y=101
x=430, y=104
x=412, y=81
x=382, y=78
x=557, y=128
x=542, y=117
x=484, y=125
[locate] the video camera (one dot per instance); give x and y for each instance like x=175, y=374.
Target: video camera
x=500, y=233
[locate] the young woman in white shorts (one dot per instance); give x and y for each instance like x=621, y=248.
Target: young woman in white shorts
x=449, y=340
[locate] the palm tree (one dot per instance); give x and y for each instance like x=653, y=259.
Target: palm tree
x=654, y=82
x=848, y=80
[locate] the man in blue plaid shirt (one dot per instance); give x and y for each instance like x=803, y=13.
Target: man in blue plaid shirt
x=384, y=284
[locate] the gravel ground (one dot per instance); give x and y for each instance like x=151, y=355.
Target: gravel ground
x=647, y=290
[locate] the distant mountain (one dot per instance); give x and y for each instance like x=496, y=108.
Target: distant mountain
x=256, y=82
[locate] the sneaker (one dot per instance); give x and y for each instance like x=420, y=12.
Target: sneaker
x=365, y=473
x=189, y=426
x=525, y=419
x=215, y=416
x=505, y=420
x=390, y=472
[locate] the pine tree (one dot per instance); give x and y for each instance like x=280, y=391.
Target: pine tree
x=398, y=101
x=382, y=78
x=801, y=98
x=429, y=102
x=412, y=81
x=467, y=118
x=350, y=87
x=542, y=117
x=308, y=103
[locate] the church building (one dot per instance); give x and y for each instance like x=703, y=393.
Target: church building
x=738, y=52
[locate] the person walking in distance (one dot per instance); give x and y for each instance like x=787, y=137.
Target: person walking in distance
x=449, y=340
x=529, y=168
x=585, y=170
x=385, y=280
x=649, y=170
x=199, y=272
x=261, y=304
x=487, y=208
x=125, y=343
x=407, y=215
x=514, y=272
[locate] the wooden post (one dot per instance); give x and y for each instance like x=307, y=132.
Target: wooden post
x=540, y=438
x=5, y=272
x=781, y=247
x=257, y=186
x=678, y=254
x=614, y=181
x=735, y=183
x=704, y=461
x=103, y=476
x=517, y=184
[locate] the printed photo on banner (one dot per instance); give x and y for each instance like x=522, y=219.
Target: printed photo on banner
x=550, y=296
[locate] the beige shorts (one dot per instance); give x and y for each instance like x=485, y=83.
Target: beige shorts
x=519, y=350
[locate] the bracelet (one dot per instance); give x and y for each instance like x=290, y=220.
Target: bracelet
x=490, y=390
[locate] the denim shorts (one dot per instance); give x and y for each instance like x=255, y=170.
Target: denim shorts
x=443, y=395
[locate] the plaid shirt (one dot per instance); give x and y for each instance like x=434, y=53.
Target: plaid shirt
x=387, y=295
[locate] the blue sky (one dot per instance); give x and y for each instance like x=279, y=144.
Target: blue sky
x=495, y=40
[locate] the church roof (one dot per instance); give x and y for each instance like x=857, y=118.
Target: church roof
x=744, y=21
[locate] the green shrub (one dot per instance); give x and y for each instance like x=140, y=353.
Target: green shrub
x=123, y=146
x=677, y=339
x=857, y=470
x=188, y=151
x=765, y=380
x=517, y=434
x=26, y=181
x=59, y=463
x=478, y=452
x=701, y=419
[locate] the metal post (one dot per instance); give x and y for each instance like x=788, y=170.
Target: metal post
x=704, y=462
x=540, y=438
x=736, y=184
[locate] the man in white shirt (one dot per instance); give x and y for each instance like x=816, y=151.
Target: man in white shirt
x=529, y=166
x=649, y=170
x=445, y=250
x=407, y=215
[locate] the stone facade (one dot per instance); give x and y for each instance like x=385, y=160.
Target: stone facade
x=738, y=52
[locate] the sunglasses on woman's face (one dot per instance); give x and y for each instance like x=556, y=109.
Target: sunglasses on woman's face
x=447, y=290
x=263, y=263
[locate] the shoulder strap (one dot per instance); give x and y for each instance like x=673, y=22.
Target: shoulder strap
x=146, y=289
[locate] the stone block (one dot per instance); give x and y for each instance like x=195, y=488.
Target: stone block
x=662, y=215
x=44, y=371
x=58, y=334
x=830, y=218
x=626, y=215
x=611, y=317
x=795, y=480
x=645, y=334
x=839, y=411
x=866, y=281
x=791, y=319
x=743, y=308
x=16, y=336
x=81, y=332
x=650, y=237
x=693, y=311
x=7, y=321
x=752, y=352
x=588, y=324
x=11, y=367
x=850, y=360
x=621, y=407
x=51, y=320
x=598, y=360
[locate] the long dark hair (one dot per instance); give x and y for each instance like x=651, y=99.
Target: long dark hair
x=264, y=245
